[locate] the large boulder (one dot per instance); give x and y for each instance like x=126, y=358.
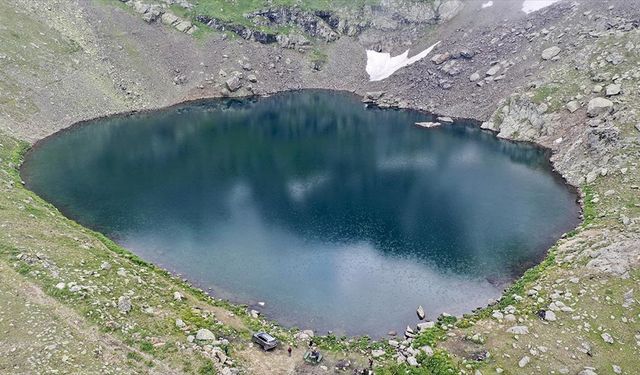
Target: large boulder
x=598, y=106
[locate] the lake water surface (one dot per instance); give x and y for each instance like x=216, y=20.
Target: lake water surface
x=338, y=217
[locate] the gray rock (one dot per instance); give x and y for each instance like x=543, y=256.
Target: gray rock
x=427, y=350
x=105, y=266
x=573, y=106
x=613, y=89
x=524, y=361
x=587, y=371
x=615, y=58
x=638, y=126
x=420, y=313
x=598, y=106
x=180, y=323
x=409, y=332
x=152, y=14
x=494, y=70
x=426, y=325
x=141, y=7
x=510, y=318
x=441, y=58
x=252, y=78
x=179, y=79
x=169, y=19
x=412, y=361
x=550, y=52
x=205, y=335
x=301, y=336
x=591, y=177
x=550, y=316
x=178, y=296
x=183, y=26
x=309, y=333
x=372, y=96
x=607, y=338
x=124, y=304
x=518, y=330
x=293, y=40
x=474, y=77
x=233, y=83
x=192, y=29
x=377, y=353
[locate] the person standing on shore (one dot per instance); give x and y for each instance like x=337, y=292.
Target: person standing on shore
x=289, y=350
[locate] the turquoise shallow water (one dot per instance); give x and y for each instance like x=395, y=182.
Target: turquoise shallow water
x=338, y=217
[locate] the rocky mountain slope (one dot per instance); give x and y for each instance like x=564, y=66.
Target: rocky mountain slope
x=566, y=77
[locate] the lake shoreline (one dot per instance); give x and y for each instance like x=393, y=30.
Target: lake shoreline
x=469, y=122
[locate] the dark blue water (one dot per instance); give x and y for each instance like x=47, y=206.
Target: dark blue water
x=338, y=217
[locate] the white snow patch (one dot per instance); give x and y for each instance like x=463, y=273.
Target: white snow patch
x=529, y=6
x=381, y=65
x=487, y=4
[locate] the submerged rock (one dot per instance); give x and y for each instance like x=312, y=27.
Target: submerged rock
x=428, y=124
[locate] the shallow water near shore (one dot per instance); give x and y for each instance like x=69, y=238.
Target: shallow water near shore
x=338, y=217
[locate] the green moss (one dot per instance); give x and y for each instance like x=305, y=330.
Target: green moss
x=146, y=347
x=134, y=356
x=23, y=268
x=542, y=93
x=207, y=369
x=440, y=363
